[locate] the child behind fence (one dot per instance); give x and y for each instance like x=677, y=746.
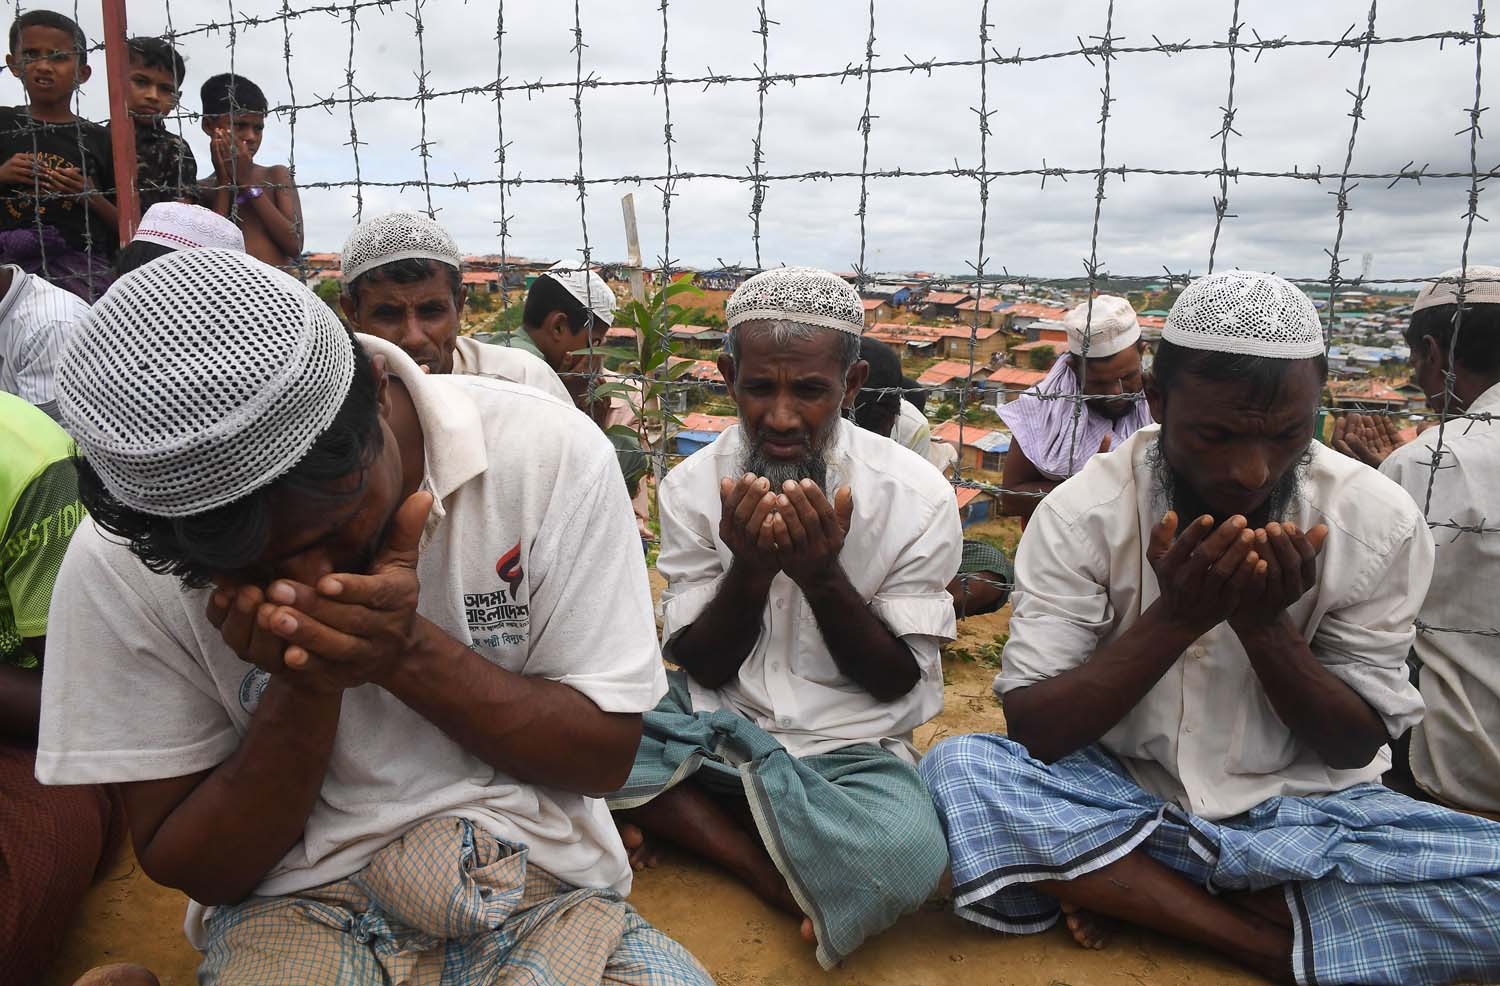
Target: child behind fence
x=57, y=218
x=165, y=168
x=262, y=200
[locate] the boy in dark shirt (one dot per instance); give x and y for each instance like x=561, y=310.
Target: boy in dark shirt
x=165, y=168
x=56, y=170
x=262, y=200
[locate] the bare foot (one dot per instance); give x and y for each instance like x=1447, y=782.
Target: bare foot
x=807, y=932
x=119, y=974
x=643, y=852
x=1088, y=929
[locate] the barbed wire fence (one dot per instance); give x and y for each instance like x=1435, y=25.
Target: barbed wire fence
x=1095, y=52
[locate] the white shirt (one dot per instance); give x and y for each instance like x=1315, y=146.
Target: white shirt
x=140, y=685
x=912, y=430
x=36, y=321
x=480, y=359
x=903, y=547
x=1455, y=751
x=1206, y=736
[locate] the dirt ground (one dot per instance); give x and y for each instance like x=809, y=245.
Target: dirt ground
x=743, y=942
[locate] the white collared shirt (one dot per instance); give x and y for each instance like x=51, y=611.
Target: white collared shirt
x=1206, y=735
x=530, y=557
x=1455, y=752
x=36, y=321
x=912, y=430
x=482, y=359
x=903, y=547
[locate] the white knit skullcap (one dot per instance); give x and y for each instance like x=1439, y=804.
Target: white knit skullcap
x=1242, y=311
x=591, y=290
x=200, y=378
x=798, y=294
x=1110, y=327
x=399, y=235
x=188, y=227
x=1481, y=287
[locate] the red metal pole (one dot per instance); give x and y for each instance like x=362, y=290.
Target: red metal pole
x=122, y=127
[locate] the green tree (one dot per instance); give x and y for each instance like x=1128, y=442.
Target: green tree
x=649, y=366
x=329, y=290
x=1041, y=358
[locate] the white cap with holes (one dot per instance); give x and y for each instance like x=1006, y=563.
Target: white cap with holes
x=399, y=235
x=200, y=378
x=798, y=294
x=1244, y=311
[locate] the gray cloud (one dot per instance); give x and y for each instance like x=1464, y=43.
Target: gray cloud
x=1292, y=110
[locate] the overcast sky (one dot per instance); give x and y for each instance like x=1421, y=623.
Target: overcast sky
x=1292, y=111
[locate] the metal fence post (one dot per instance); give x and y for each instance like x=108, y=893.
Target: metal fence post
x=122, y=128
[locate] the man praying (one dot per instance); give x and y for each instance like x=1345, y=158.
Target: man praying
x=1206, y=663
x=1051, y=437
x=806, y=562
x=333, y=629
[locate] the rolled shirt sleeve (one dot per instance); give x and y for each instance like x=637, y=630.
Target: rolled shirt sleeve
x=1368, y=631
x=123, y=698
x=1062, y=608
x=591, y=615
x=913, y=601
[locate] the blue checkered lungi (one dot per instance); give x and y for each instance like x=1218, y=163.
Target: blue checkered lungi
x=1382, y=889
x=445, y=905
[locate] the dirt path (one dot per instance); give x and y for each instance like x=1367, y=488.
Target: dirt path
x=742, y=942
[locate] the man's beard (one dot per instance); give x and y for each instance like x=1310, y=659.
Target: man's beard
x=812, y=465
x=1186, y=502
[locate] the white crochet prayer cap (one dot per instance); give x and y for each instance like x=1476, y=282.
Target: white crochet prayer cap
x=1242, y=311
x=200, y=378
x=591, y=290
x=399, y=235
x=1481, y=287
x=188, y=227
x=798, y=294
x=1109, y=328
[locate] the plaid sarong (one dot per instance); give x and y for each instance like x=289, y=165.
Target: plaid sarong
x=853, y=832
x=445, y=905
x=1381, y=888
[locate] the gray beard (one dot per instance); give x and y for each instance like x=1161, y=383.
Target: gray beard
x=813, y=465
x=1181, y=498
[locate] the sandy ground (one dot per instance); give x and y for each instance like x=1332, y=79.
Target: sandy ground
x=126, y=917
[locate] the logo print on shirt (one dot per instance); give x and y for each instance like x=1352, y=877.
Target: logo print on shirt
x=501, y=618
x=251, y=688
x=509, y=570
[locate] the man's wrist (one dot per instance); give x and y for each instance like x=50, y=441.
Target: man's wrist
x=1175, y=633
x=754, y=582
x=424, y=645
x=1261, y=631
x=826, y=583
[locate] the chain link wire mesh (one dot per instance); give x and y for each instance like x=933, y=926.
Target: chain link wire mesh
x=403, y=77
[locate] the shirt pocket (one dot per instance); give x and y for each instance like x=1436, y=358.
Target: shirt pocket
x=810, y=659
x=1260, y=742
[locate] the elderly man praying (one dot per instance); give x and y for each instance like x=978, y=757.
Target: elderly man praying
x=806, y=562
x=1206, y=663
